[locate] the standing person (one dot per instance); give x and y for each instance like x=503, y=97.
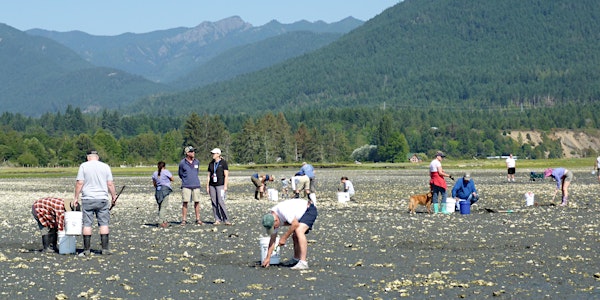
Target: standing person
x=260, y=182
x=49, y=214
x=597, y=167
x=190, y=184
x=216, y=186
x=348, y=187
x=300, y=217
x=437, y=183
x=161, y=179
x=563, y=178
x=95, y=184
x=464, y=189
x=510, y=166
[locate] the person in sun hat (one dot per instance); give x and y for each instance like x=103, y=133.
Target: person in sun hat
x=437, y=183
x=190, y=184
x=96, y=189
x=49, y=214
x=563, y=178
x=216, y=186
x=464, y=189
x=299, y=215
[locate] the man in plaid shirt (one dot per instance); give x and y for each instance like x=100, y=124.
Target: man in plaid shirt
x=49, y=214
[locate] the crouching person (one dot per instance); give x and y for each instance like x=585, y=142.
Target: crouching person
x=49, y=213
x=300, y=216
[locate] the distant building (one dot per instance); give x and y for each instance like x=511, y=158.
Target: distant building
x=414, y=159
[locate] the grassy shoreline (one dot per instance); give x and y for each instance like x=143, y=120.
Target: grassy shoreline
x=479, y=164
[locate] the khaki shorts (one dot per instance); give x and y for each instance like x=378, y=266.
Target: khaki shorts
x=303, y=183
x=190, y=194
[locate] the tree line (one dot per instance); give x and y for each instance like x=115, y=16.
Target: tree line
x=386, y=133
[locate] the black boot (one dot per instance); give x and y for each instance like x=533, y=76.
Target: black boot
x=45, y=243
x=256, y=195
x=104, y=240
x=87, y=240
x=53, y=240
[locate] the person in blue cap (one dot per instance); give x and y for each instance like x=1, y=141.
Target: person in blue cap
x=464, y=189
x=260, y=182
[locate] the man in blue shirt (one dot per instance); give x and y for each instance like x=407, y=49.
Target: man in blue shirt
x=190, y=183
x=464, y=189
x=308, y=170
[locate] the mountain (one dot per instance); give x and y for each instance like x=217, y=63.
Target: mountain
x=40, y=75
x=254, y=57
x=165, y=55
x=424, y=53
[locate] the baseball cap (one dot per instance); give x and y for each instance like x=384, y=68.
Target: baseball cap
x=188, y=149
x=90, y=152
x=268, y=222
x=467, y=177
x=216, y=151
x=440, y=153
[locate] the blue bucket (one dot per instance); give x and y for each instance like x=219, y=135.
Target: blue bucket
x=465, y=207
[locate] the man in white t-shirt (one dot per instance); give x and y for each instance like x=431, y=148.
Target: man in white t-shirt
x=348, y=187
x=299, y=215
x=510, y=166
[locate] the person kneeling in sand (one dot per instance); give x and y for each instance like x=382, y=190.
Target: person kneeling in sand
x=464, y=189
x=300, y=216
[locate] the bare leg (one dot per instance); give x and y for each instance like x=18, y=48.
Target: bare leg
x=184, y=211
x=103, y=229
x=197, y=210
x=301, y=241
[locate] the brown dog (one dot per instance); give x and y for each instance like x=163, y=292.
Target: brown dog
x=422, y=199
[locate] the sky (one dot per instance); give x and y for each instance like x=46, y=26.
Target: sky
x=113, y=17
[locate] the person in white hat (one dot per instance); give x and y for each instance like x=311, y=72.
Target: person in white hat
x=216, y=186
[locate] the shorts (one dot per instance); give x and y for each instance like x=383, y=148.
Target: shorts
x=309, y=217
x=568, y=176
x=98, y=208
x=511, y=171
x=303, y=183
x=190, y=194
x=257, y=183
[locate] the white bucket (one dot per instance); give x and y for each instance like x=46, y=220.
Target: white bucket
x=264, y=249
x=450, y=205
x=273, y=194
x=529, y=199
x=73, y=222
x=66, y=243
x=343, y=196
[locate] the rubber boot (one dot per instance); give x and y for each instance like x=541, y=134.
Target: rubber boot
x=436, y=208
x=53, y=240
x=256, y=195
x=87, y=241
x=444, y=208
x=45, y=243
x=104, y=241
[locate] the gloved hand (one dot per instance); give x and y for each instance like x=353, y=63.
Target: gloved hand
x=451, y=177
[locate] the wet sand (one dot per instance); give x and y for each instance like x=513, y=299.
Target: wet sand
x=370, y=248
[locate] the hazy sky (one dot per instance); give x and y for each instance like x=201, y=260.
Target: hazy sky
x=112, y=17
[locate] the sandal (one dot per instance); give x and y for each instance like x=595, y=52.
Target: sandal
x=198, y=222
x=217, y=223
x=183, y=223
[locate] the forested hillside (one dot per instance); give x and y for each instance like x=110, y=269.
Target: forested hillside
x=39, y=75
x=424, y=53
x=253, y=57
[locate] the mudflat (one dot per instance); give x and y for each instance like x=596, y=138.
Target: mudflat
x=370, y=248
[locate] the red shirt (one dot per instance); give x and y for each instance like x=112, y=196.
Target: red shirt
x=50, y=212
